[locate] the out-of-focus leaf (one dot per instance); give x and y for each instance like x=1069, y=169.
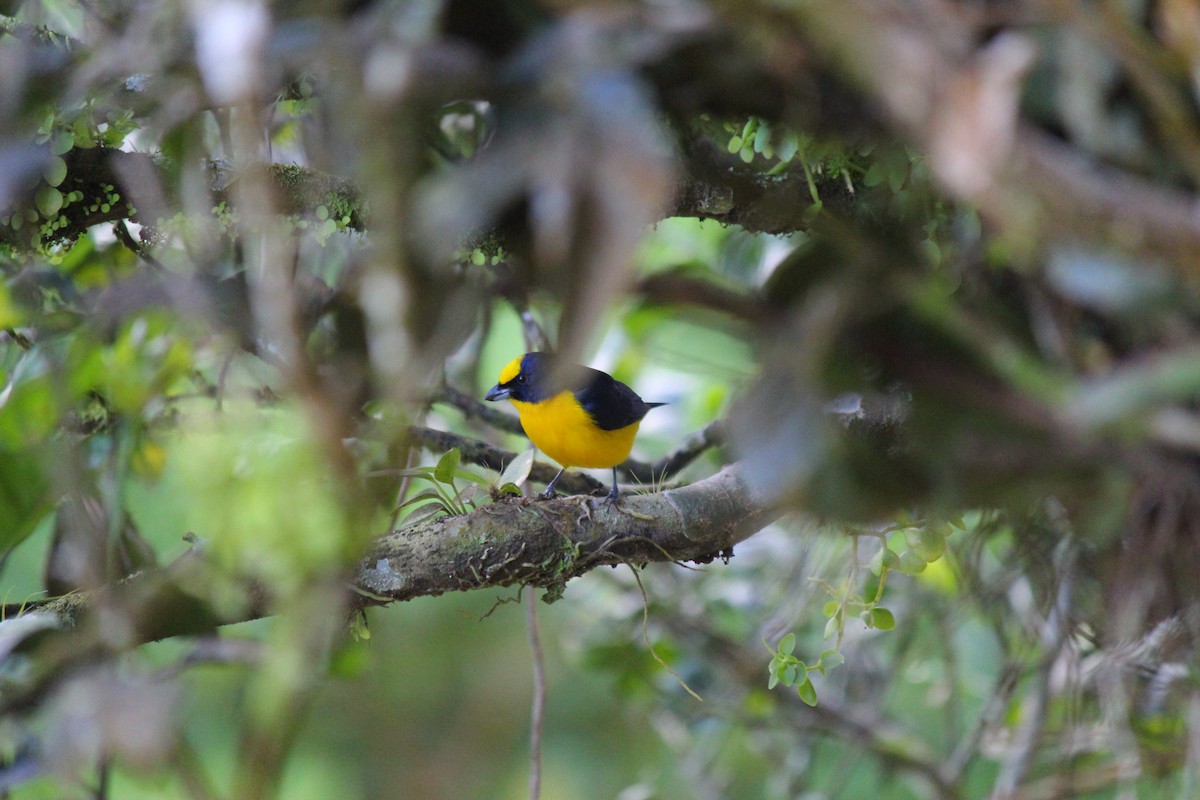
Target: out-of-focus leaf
x=881, y=619
x=831, y=659
x=807, y=692
x=1105, y=283
x=28, y=411
x=110, y=715
x=18, y=629
x=1128, y=392
x=578, y=140
x=447, y=465
x=255, y=485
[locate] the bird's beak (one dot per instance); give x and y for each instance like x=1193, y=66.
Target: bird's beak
x=497, y=392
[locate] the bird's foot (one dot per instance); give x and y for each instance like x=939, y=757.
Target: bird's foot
x=549, y=494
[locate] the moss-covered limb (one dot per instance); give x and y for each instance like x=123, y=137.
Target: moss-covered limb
x=545, y=543
x=103, y=185
x=721, y=187
x=537, y=542
x=303, y=191
x=112, y=185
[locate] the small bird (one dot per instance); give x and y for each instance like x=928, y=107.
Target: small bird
x=586, y=419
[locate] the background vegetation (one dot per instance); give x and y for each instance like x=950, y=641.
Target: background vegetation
x=918, y=280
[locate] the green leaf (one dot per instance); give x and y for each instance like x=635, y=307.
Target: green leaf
x=62, y=142
x=773, y=681
x=787, y=148
x=931, y=543
x=807, y=692
x=787, y=644
x=54, y=171
x=735, y=144
x=478, y=480
x=48, y=201
x=762, y=138
x=831, y=658
x=789, y=674
x=911, y=563
x=25, y=496
x=414, y=472
x=884, y=557
x=447, y=465
x=882, y=619
x=423, y=496
x=831, y=627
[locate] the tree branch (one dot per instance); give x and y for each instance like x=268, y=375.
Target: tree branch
x=546, y=543
x=139, y=180
x=541, y=543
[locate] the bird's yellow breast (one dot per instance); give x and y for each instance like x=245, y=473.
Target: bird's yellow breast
x=563, y=430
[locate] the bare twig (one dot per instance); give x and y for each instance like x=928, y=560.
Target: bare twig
x=539, y=698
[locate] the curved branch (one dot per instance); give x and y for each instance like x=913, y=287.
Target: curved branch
x=546, y=543
x=670, y=465
x=138, y=183
x=517, y=541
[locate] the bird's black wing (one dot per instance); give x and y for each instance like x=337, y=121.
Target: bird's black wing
x=609, y=402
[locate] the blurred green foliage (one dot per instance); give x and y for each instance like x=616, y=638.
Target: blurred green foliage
x=940, y=300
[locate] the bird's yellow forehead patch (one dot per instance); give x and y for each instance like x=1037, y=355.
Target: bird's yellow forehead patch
x=511, y=371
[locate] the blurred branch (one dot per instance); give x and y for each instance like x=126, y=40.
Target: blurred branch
x=923, y=72
x=677, y=287
x=139, y=179
x=715, y=188
x=720, y=186
x=892, y=743
x=477, y=409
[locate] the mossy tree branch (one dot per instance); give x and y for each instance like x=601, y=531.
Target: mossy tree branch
x=116, y=185
x=518, y=541
x=546, y=543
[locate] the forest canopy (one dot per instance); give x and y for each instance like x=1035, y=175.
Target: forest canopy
x=915, y=281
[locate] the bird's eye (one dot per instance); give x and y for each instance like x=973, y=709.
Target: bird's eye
x=521, y=378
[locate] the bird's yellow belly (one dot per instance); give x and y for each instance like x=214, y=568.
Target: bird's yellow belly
x=561, y=429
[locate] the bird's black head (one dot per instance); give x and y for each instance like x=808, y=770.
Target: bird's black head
x=526, y=379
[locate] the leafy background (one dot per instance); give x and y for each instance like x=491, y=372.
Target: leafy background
x=929, y=266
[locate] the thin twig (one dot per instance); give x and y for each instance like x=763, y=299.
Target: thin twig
x=711, y=435
x=539, y=698
x=121, y=231
x=477, y=409
x=646, y=636
x=1054, y=632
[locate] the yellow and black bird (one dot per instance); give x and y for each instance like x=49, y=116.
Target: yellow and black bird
x=580, y=417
